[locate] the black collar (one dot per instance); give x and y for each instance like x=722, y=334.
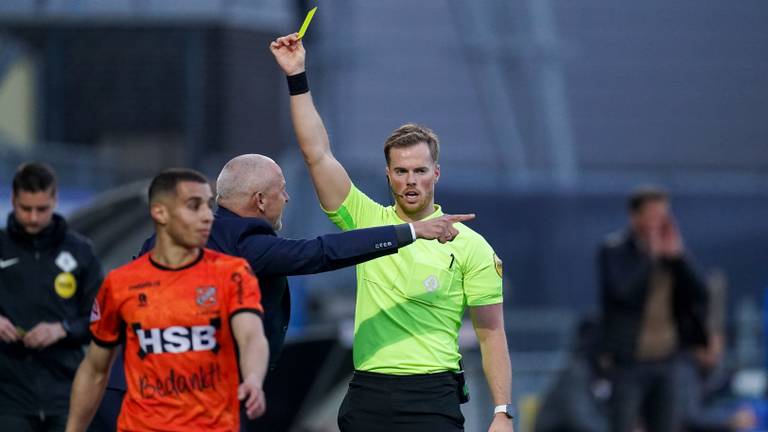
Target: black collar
x=51, y=236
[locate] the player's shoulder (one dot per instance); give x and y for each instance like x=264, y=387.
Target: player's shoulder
x=615, y=239
x=238, y=224
x=467, y=234
x=361, y=197
x=132, y=272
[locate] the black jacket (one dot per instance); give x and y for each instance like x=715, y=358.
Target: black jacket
x=35, y=381
x=624, y=272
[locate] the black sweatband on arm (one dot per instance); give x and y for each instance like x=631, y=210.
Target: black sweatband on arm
x=298, y=84
x=404, y=235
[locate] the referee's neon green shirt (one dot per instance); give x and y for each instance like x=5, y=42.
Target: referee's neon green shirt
x=410, y=305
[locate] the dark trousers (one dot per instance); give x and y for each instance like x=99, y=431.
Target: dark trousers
x=32, y=423
x=105, y=419
x=412, y=403
x=645, y=391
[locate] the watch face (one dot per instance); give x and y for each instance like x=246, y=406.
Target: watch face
x=510, y=411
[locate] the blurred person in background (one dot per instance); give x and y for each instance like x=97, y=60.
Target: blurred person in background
x=578, y=400
x=704, y=380
x=48, y=279
x=654, y=307
x=410, y=305
x=251, y=196
x=189, y=319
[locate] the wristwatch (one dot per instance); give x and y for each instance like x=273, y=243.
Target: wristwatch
x=508, y=410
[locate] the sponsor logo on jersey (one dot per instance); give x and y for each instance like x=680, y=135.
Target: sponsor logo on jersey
x=177, y=339
x=5, y=263
x=175, y=383
x=237, y=278
x=145, y=284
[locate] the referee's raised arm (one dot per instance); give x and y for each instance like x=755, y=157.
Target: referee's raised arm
x=331, y=180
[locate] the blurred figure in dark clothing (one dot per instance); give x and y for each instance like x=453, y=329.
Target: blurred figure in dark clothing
x=49, y=276
x=654, y=308
x=578, y=400
x=703, y=379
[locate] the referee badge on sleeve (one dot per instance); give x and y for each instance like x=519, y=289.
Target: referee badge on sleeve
x=497, y=263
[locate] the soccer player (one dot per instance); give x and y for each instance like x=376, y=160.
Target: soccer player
x=188, y=317
x=410, y=304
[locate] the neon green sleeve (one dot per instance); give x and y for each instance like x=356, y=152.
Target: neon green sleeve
x=482, y=276
x=357, y=211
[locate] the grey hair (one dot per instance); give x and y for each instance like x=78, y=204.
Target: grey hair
x=242, y=176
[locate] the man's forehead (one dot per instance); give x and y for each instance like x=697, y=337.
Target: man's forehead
x=190, y=189
x=35, y=198
x=417, y=153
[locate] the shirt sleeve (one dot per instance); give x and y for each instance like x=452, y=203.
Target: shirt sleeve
x=89, y=278
x=106, y=324
x=357, y=211
x=244, y=293
x=483, y=276
x=269, y=255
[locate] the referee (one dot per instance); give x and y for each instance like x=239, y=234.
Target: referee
x=410, y=304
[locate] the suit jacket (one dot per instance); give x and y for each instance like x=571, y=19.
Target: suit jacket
x=624, y=273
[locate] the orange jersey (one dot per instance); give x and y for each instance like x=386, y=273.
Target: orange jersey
x=180, y=356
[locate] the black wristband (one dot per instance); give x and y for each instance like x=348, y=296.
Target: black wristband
x=298, y=84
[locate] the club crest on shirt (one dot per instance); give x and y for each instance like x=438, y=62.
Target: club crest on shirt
x=66, y=262
x=497, y=263
x=95, y=312
x=206, y=296
x=431, y=283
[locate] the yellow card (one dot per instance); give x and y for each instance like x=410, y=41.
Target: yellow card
x=307, y=20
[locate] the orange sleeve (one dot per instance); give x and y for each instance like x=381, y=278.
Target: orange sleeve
x=244, y=292
x=106, y=323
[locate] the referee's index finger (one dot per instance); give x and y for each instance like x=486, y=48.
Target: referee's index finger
x=460, y=217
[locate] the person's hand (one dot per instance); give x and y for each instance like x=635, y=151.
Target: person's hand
x=651, y=237
x=252, y=395
x=289, y=53
x=671, y=243
x=8, y=333
x=44, y=335
x=501, y=423
x=744, y=418
x=440, y=228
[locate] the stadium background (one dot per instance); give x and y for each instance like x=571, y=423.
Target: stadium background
x=549, y=112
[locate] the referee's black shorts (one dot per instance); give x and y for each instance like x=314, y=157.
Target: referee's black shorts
x=411, y=403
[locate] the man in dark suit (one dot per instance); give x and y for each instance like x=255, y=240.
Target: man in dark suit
x=654, y=307
x=251, y=195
